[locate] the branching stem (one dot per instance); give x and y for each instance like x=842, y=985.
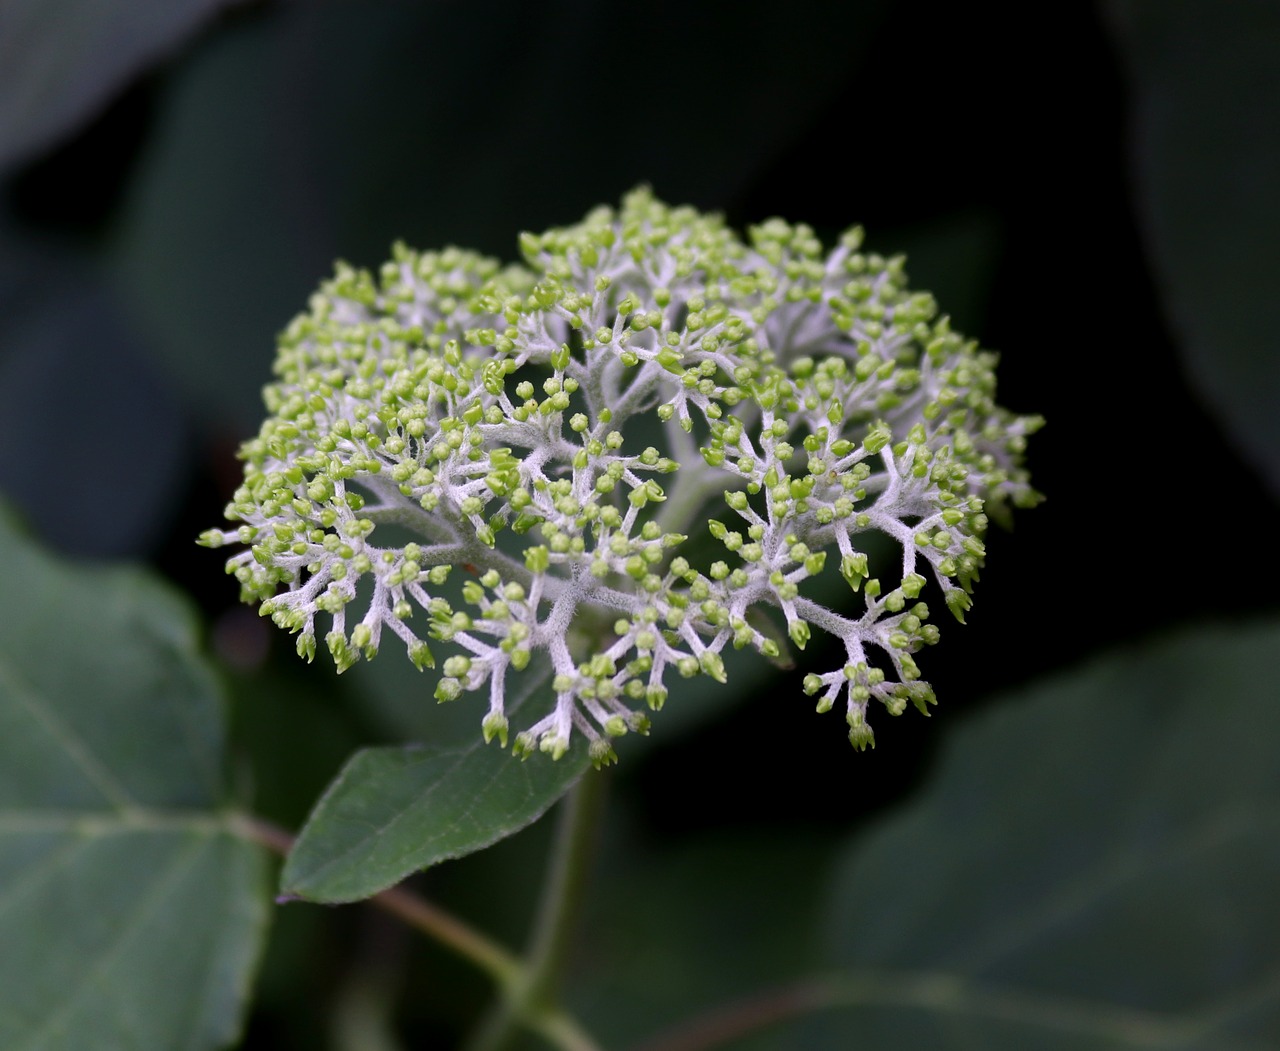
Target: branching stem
x=531, y=1001
x=936, y=993
x=499, y=963
x=527, y=987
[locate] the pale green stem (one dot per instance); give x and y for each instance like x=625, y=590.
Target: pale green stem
x=530, y=1001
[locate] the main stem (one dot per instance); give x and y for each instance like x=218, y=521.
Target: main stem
x=530, y=1001
x=417, y=912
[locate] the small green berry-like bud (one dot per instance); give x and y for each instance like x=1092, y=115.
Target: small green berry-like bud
x=495, y=725
x=958, y=602
x=554, y=745
x=854, y=568
x=713, y=665
x=602, y=753
x=877, y=438
x=420, y=654
x=799, y=632
x=861, y=735
x=457, y=667
x=343, y=657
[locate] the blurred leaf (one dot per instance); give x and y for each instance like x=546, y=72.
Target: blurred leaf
x=954, y=258
x=311, y=131
x=672, y=931
x=1093, y=866
x=289, y=726
x=70, y=367
x=61, y=61
x=131, y=915
x=394, y=811
x=1206, y=157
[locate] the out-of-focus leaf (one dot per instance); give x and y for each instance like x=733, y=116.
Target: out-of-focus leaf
x=131, y=914
x=61, y=61
x=669, y=933
x=317, y=130
x=952, y=257
x=394, y=811
x=1206, y=156
x=293, y=734
x=1093, y=866
x=92, y=441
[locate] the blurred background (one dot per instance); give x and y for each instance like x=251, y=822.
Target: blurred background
x=1089, y=189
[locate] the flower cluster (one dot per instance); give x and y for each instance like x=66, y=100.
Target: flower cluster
x=650, y=432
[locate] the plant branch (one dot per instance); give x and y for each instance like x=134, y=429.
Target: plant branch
x=412, y=909
x=531, y=1001
x=719, y=1025
x=935, y=992
x=566, y=883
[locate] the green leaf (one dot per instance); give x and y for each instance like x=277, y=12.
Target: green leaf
x=1094, y=865
x=1205, y=88
x=131, y=913
x=394, y=811
x=62, y=60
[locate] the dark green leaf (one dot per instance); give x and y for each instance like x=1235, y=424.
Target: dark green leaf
x=1206, y=106
x=63, y=60
x=67, y=354
x=131, y=913
x=954, y=258
x=394, y=811
x=320, y=130
x=1094, y=866
x=672, y=932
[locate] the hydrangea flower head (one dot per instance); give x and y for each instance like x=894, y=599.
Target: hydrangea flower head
x=570, y=437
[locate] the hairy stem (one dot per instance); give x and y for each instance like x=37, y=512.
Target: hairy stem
x=530, y=1002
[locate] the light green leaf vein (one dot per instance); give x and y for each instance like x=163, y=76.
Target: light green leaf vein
x=39, y=709
x=166, y=880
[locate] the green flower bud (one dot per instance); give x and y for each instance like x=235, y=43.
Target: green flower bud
x=795, y=367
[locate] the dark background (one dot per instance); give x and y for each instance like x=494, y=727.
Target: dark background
x=1087, y=189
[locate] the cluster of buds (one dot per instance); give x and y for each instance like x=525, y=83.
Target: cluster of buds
x=644, y=445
